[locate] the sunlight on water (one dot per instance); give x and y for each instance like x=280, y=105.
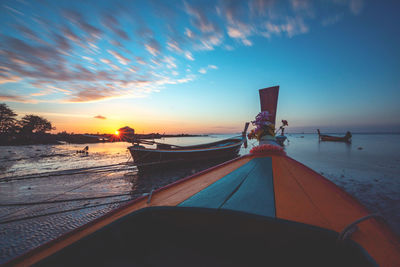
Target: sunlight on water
x=23, y=160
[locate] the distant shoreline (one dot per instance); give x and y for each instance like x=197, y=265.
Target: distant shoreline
x=61, y=138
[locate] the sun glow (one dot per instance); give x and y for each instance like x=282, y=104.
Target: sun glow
x=116, y=133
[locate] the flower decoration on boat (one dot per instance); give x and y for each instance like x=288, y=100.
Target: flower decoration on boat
x=263, y=126
x=267, y=148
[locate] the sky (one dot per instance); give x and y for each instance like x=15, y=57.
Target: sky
x=196, y=66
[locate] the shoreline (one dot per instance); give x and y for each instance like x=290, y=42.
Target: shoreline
x=58, y=139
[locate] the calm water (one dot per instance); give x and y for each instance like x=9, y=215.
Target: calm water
x=36, y=207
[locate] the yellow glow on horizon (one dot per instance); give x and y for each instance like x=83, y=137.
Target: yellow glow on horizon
x=116, y=133
x=82, y=125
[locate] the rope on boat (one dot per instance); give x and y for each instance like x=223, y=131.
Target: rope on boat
x=352, y=227
x=150, y=196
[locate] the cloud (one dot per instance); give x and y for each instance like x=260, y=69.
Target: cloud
x=88, y=58
x=115, y=67
x=173, y=46
x=28, y=33
x=260, y=7
x=140, y=61
x=15, y=98
x=291, y=26
x=330, y=20
x=189, y=55
x=170, y=61
x=92, y=93
x=91, y=56
x=235, y=33
x=209, y=67
x=208, y=33
x=153, y=47
x=201, y=16
x=121, y=59
x=133, y=69
x=111, y=23
x=235, y=12
x=13, y=10
x=189, y=33
x=9, y=79
x=70, y=35
x=229, y=47
x=241, y=31
x=208, y=41
x=75, y=17
x=100, y=117
x=62, y=43
x=356, y=6
x=42, y=93
x=105, y=61
x=302, y=6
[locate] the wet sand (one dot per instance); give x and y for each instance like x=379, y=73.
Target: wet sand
x=38, y=207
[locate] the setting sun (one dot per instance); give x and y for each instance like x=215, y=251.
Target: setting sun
x=116, y=133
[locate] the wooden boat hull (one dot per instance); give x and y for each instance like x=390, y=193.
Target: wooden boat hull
x=277, y=197
x=335, y=138
x=324, y=137
x=147, y=157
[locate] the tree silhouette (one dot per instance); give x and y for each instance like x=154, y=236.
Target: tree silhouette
x=35, y=124
x=7, y=120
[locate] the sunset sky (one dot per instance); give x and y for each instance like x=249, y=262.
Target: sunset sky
x=196, y=66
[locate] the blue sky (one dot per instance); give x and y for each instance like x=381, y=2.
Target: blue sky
x=196, y=66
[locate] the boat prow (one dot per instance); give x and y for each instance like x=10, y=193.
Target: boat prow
x=261, y=208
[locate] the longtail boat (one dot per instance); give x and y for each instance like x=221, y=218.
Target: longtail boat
x=324, y=137
x=261, y=209
x=167, y=154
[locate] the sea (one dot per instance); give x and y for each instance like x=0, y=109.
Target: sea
x=49, y=190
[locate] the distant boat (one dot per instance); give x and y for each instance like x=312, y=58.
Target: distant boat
x=166, y=154
x=261, y=209
x=324, y=137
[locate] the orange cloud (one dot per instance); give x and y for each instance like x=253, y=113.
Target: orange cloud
x=100, y=117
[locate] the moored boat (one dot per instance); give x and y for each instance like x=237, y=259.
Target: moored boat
x=166, y=154
x=263, y=208
x=324, y=137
